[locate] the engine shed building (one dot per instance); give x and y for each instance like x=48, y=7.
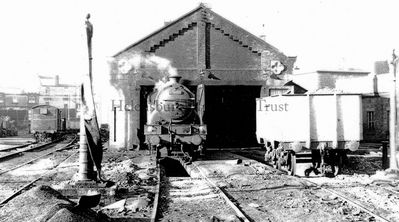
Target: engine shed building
x=234, y=65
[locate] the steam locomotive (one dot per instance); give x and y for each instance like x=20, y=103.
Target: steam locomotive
x=175, y=119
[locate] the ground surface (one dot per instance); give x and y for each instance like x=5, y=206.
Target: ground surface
x=133, y=176
x=359, y=181
x=261, y=192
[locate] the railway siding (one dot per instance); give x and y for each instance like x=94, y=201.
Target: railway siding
x=265, y=194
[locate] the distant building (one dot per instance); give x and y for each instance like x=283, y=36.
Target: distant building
x=63, y=96
x=16, y=106
x=342, y=80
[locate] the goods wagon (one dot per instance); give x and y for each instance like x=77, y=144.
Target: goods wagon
x=325, y=124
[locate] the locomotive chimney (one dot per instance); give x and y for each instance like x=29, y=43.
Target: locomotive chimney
x=174, y=78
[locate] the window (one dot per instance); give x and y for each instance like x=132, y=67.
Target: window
x=370, y=120
x=277, y=91
x=14, y=100
x=32, y=99
x=43, y=111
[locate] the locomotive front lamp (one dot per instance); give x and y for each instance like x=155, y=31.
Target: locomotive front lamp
x=202, y=129
x=352, y=145
x=150, y=129
x=196, y=140
x=155, y=140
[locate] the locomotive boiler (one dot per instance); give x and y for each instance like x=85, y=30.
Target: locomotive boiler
x=175, y=119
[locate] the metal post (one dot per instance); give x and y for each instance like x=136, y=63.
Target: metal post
x=85, y=164
x=393, y=118
x=384, y=155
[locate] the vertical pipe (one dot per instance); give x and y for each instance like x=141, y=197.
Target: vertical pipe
x=335, y=118
x=114, y=124
x=393, y=120
x=309, y=122
x=207, y=45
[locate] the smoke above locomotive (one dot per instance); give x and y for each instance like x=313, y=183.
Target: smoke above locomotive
x=172, y=109
x=137, y=63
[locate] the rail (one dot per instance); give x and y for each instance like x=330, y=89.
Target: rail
x=32, y=160
x=26, y=186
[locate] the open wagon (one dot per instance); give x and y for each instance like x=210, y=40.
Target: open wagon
x=325, y=124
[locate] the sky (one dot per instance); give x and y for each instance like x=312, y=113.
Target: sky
x=47, y=37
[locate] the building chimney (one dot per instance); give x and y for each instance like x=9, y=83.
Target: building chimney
x=57, y=80
x=263, y=37
x=381, y=67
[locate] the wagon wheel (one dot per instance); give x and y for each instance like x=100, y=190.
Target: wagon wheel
x=291, y=163
x=277, y=164
x=338, y=165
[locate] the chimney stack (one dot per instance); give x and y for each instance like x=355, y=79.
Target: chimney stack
x=381, y=67
x=57, y=80
x=263, y=37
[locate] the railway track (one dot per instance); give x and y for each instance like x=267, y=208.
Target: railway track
x=16, y=147
x=28, y=185
x=239, y=213
x=349, y=200
x=28, y=148
x=197, y=190
x=308, y=183
x=6, y=167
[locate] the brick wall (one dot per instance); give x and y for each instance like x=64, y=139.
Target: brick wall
x=379, y=106
x=182, y=52
x=226, y=53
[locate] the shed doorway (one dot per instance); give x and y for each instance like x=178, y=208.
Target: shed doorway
x=230, y=115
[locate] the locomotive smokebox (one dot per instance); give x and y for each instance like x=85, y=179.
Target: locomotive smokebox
x=175, y=102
